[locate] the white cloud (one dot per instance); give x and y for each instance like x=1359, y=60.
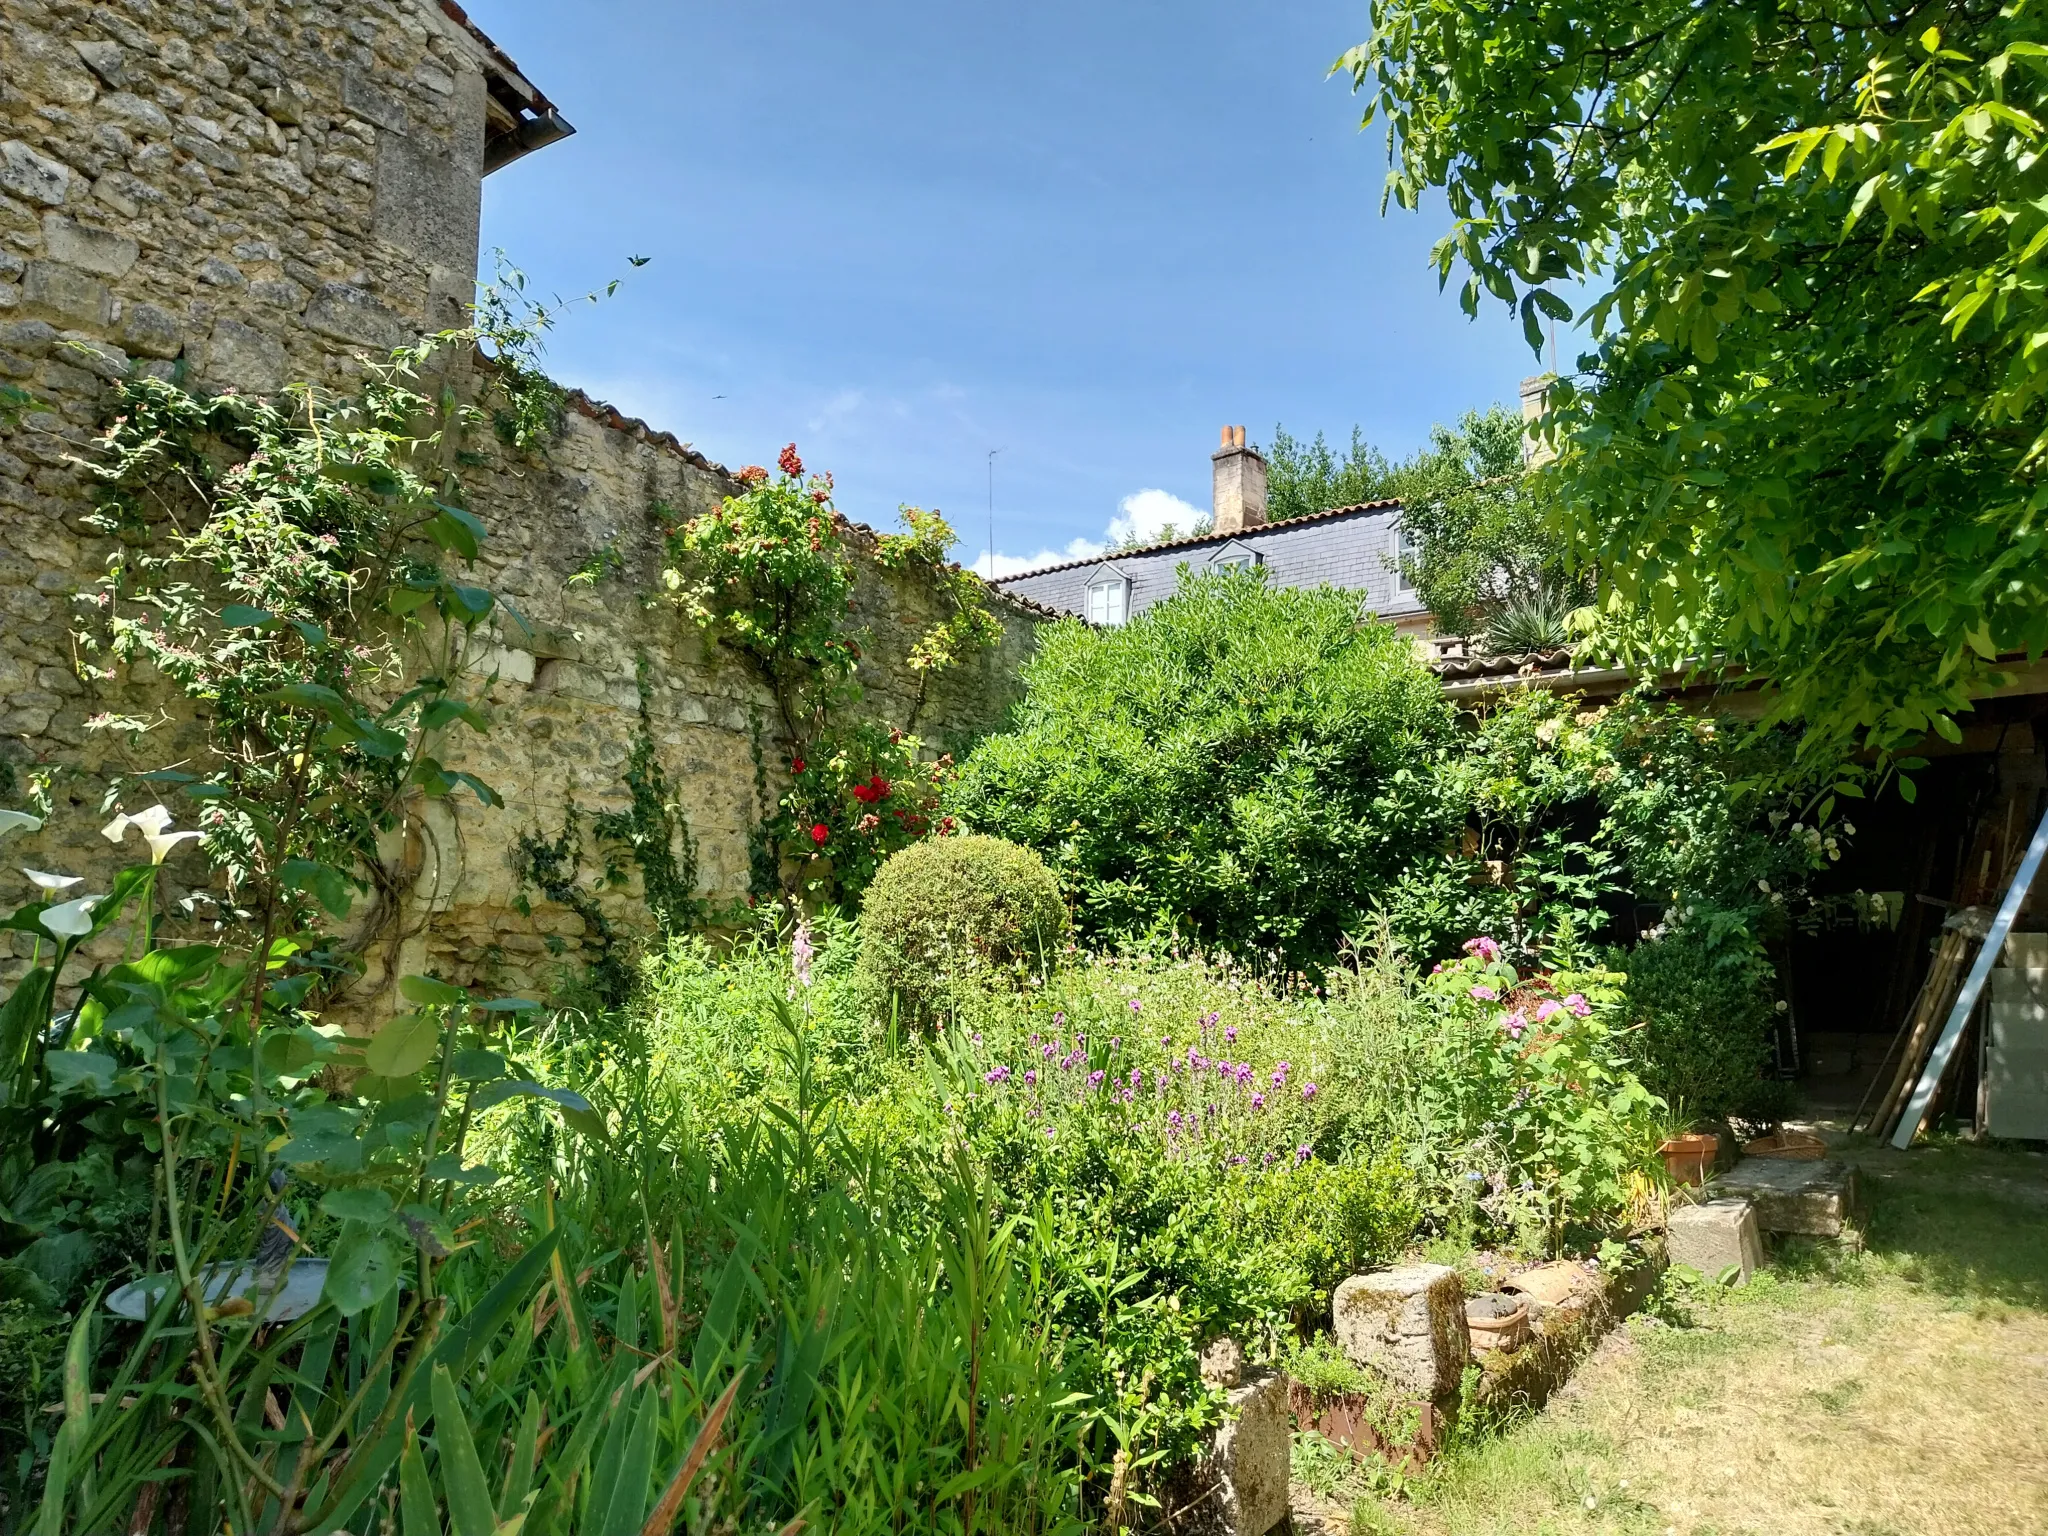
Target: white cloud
x=1142, y=517
x=1011, y=565
x=1146, y=515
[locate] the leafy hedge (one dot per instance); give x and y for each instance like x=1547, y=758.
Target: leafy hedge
x=1242, y=764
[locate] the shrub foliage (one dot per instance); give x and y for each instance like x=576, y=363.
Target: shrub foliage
x=955, y=911
x=1244, y=764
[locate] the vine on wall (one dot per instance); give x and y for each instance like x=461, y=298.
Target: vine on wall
x=652, y=832
x=769, y=577
x=291, y=568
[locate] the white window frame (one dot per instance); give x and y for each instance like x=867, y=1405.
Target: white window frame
x=1109, y=599
x=1235, y=556
x=1403, y=549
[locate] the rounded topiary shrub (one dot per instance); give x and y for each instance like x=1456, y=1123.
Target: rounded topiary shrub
x=955, y=910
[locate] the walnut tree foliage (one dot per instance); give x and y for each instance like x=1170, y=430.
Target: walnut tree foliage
x=1807, y=435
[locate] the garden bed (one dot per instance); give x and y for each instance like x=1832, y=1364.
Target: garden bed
x=1408, y=1432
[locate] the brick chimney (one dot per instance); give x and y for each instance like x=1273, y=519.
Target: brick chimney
x=1535, y=401
x=1240, y=500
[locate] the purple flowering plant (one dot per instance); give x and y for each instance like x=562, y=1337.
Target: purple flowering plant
x=1529, y=1081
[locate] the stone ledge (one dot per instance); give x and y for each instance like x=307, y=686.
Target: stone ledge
x=1812, y=1199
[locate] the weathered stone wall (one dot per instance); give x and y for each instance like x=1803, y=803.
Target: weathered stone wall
x=568, y=698
x=243, y=195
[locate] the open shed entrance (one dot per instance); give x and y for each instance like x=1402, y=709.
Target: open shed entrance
x=1855, y=964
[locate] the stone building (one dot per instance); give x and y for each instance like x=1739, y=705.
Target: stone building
x=242, y=194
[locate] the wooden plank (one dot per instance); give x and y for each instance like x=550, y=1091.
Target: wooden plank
x=1927, y=1007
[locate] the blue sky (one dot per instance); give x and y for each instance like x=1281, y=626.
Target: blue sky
x=905, y=233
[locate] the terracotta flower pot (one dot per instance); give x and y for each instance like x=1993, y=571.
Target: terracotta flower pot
x=1690, y=1158
x=1496, y=1321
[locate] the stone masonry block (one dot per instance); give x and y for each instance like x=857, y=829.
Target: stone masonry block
x=82, y=245
x=1715, y=1237
x=105, y=60
x=1250, y=1463
x=1407, y=1324
x=244, y=359
x=29, y=175
x=349, y=314
x=66, y=294
x=148, y=331
x=427, y=203
x=1791, y=1195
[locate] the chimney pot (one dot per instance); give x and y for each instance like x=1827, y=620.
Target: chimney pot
x=1240, y=484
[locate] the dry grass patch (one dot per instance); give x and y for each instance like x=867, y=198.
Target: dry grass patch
x=1892, y=1393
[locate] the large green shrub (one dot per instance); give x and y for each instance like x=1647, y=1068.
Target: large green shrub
x=1581, y=811
x=1705, y=1021
x=955, y=910
x=1243, y=764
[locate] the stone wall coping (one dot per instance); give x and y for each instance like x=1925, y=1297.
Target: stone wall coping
x=607, y=415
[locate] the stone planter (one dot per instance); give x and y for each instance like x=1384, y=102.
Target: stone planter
x=1246, y=1473
x=1407, y=1325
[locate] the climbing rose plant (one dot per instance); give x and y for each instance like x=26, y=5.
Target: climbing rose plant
x=768, y=576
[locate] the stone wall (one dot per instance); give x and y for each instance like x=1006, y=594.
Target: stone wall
x=243, y=195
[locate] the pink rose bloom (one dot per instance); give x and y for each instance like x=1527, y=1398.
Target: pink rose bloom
x=1578, y=1005
x=1484, y=994
x=1484, y=948
x=1548, y=1009
x=1514, y=1024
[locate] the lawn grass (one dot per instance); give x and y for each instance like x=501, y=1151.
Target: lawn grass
x=1900, y=1391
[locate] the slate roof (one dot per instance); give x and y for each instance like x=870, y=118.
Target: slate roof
x=1350, y=548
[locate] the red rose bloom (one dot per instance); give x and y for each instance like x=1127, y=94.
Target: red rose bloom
x=796, y=765
x=819, y=833
x=753, y=474
x=790, y=464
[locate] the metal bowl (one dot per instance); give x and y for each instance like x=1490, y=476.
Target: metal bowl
x=274, y=1297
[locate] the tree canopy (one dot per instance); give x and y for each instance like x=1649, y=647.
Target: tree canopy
x=1807, y=435
x=1477, y=543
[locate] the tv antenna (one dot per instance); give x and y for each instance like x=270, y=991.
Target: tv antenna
x=992, y=512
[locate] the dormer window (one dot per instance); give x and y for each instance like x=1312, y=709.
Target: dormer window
x=1406, y=548
x=1109, y=597
x=1234, y=556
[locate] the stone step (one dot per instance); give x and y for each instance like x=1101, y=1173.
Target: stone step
x=1813, y=1198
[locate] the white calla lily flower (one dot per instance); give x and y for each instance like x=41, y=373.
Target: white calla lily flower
x=161, y=844
x=19, y=821
x=72, y=920
x=151, y=824
x=53, y=883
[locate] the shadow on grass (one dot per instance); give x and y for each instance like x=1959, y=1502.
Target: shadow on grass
x=1945, y=1233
